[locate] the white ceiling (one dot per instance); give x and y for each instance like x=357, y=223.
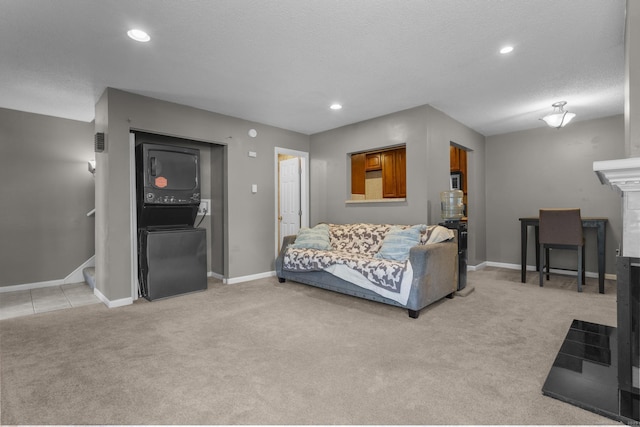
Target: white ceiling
x=283, y=62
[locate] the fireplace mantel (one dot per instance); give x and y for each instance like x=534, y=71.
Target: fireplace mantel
x=622, y=174
x=597, y=365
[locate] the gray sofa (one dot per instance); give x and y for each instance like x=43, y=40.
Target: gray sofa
x=434, y=265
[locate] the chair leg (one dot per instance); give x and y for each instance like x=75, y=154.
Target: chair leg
x=548, y=261
x=580, y=269
x=583, y=267
x=541, y=265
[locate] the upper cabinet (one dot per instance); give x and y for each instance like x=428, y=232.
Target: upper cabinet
x=458, y=159
x=373, y=162
x=358, y=165
x=394, y=177
x=379, y=174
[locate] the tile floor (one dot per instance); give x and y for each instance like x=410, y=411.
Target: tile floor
x=24, y=303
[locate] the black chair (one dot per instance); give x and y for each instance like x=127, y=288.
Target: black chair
x=561, y=229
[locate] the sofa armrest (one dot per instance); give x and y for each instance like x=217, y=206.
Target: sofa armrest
x=435, y=272
x=286, y=241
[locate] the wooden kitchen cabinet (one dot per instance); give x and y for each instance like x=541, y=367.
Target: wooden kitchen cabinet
x=462, y=158
x=373, y=162
x=394, y=173
x=387, y=166
x=358, y=173
x=401, y=172
x=458, y=159
x=454, y=157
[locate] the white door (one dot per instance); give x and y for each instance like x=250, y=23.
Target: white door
x=290, y=209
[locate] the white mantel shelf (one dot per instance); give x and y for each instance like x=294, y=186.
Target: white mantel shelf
x=622, y=174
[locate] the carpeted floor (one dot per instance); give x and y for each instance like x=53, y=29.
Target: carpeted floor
x=263, y=352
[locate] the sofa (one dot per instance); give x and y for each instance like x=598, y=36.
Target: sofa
x=409, y=266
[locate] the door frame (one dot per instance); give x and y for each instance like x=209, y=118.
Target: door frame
x=133, y=216
x=304, y=189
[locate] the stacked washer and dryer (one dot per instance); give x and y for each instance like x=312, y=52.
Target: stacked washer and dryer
x=172, y=253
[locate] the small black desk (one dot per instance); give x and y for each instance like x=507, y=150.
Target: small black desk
x=598, y=223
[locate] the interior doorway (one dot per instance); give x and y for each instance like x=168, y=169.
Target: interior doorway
x=292, y=193
x=459, y=172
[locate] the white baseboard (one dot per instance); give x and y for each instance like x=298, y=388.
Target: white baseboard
x=241, y=279
x=215, y=275
x=28, y=286
x=553, y=270
x=506, y=265
x=112, y=304
x=478, y=267
x=77, y=277
x=74, y=277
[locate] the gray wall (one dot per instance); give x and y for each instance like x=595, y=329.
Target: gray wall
x=443, y=130
x=249, y=218
x=545, y=167
x=524, y=171
x=427, y=133
x=330, y=170
x=46, y=193
x=216, y=232
x=632, y=79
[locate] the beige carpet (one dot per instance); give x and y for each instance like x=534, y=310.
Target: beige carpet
x=262, y=352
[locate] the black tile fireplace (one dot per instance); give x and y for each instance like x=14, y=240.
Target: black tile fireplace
x=597, y=366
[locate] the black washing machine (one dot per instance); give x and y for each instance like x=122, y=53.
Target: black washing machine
x=172, y=261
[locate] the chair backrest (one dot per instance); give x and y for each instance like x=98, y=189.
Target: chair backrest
x=561, y=227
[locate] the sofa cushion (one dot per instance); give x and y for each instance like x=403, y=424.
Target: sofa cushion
x=398, y=242
x=313, y=238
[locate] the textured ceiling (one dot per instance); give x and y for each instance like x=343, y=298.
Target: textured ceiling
x=283, y=62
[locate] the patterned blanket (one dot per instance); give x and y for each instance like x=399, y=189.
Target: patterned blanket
x=384, y=273
x=355, y=246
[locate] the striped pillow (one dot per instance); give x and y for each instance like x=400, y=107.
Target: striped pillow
x=313, y=238
x=398, y=242
x=436, y=234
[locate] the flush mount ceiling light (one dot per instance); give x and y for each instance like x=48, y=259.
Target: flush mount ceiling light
x=560, y=117
x=336, y=106
x=506, y=49
x=138, y=35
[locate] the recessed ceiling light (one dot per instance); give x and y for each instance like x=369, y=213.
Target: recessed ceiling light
x=138, y=35
x=336, y=106
x=506, y=49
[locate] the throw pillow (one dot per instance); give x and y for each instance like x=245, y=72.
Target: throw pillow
x=313, y=238
x=439, y=234
x=398, y=242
